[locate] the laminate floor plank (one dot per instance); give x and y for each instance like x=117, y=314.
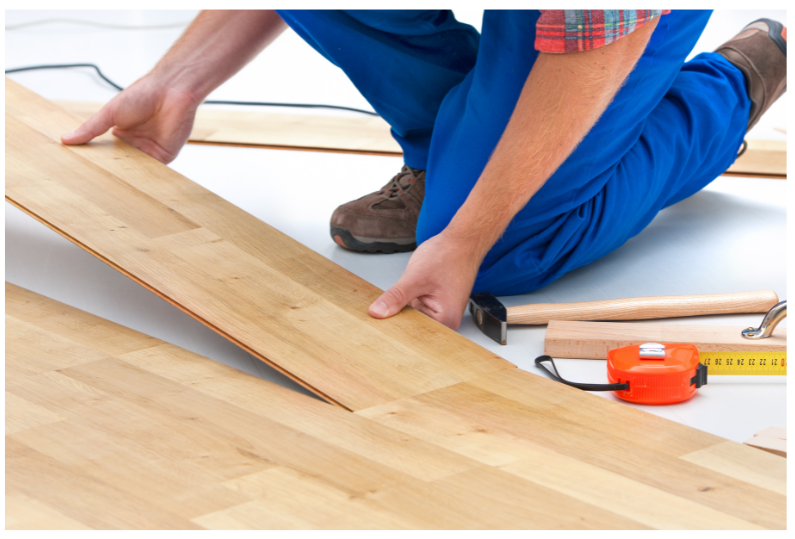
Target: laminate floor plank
x=75, y=325
x=79, y=497
x=286, y=304
x=369, y=135
x=504, y=420
x=25, y=513
x=741, y=462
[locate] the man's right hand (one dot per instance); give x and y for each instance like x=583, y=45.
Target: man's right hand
x=156, y=113
x=148, y=115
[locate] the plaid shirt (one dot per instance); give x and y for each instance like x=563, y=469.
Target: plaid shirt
x=571, y=30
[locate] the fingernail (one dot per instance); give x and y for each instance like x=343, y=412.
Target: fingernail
x=70, y=134
x=379, y=308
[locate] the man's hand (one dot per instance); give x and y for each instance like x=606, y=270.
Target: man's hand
x=150, y=116
x=156, y=113
x=437, y=281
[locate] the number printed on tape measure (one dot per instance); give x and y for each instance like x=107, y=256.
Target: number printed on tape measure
x=763, y=363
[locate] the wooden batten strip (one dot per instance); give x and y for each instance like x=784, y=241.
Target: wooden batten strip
x=592, y=340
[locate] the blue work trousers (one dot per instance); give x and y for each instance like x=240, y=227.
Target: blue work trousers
x=448, y=93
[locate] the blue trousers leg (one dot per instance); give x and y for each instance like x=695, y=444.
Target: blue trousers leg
x=404, y=62
x=671, y=129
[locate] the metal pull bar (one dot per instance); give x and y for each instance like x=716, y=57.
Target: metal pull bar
x=769, y=322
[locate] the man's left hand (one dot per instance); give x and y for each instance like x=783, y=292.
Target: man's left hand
x=437, y=281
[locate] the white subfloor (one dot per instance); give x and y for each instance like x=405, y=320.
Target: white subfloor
x=730, y=237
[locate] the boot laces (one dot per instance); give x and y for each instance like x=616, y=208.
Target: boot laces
x=400, y=183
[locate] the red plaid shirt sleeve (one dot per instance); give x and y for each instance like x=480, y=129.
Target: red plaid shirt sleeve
x=571, y=30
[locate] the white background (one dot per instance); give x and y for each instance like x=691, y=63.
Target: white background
x=730, y=237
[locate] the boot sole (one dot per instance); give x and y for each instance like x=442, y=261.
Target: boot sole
x=345, y=239
x=776, y=33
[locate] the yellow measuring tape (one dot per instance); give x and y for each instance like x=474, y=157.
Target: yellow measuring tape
x=767, y=363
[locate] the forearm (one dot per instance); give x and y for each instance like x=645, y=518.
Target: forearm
x=564, y=96
x=214, y=47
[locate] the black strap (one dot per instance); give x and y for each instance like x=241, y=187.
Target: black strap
x=743, y=147
x=584, y=387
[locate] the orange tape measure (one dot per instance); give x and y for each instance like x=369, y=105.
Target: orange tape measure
x=649, y=373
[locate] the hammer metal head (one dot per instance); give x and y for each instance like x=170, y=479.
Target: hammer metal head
x=489, y=315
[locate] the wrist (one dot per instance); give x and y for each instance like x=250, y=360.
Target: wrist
x=165, y=79
x=467, y=241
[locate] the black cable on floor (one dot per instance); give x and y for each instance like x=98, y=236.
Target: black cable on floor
x=209, y=102
x=60, y=66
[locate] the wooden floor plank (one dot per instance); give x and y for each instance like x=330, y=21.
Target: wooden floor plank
x=23, y=415
x=741, y=462
x=505, y=418
x=359, y=134
x=611, y=490
x=77, y=326
x=160, y=437
x=25, y=513
x=80, y=497
x=310, y=321
x=766, y=158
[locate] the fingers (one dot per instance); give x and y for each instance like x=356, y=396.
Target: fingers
x=393, y=300
x=443, y=315
x=390, y=302
x=98, y=124
x=146, y=145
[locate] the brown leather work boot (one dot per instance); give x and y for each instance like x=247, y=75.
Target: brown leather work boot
x=384, y=221
x=760, y=52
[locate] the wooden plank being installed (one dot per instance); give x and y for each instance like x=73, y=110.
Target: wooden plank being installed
x=370, y=135
x=592, y=340
x=360, y=134
x=110, y=428
x=281, y=301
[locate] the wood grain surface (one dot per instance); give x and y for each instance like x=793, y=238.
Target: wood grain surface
x=110, y=428
x=592, y=340
x=766, y=158
x=278, y=299
x=644, y=308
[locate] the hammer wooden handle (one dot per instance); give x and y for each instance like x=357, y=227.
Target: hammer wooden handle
x=759, y=301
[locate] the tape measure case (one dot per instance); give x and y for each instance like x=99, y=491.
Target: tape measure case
x=656, y=374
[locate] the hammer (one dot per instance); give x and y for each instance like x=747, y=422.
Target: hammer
x=492, y=317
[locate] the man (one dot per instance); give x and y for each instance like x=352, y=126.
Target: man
x=532, y=149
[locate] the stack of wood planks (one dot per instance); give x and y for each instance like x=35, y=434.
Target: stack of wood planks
x=109, y=428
